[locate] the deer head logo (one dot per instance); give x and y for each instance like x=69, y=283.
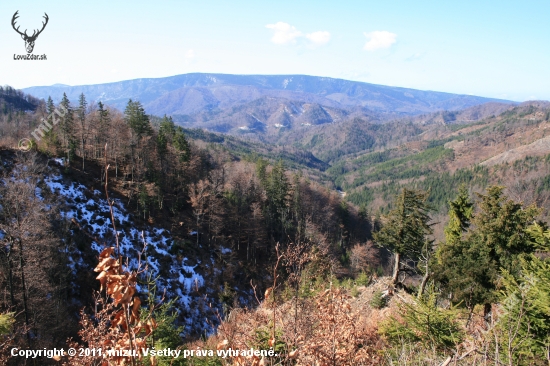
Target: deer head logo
x=29, y=40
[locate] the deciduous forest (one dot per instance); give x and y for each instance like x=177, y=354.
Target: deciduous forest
x=413, y=241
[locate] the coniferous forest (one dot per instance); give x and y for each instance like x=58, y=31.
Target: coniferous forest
x=407, y=240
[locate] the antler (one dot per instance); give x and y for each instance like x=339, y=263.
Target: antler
x=15, y=16
x=34, y=34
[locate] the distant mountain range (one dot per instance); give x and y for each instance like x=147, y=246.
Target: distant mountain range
x=259, y=103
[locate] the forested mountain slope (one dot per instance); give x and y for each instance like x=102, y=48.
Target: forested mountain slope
x=263, y=103
x=200, y=216
x=237, y=241
x=510, y=149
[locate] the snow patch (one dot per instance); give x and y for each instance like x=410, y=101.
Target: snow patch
x=93, y=214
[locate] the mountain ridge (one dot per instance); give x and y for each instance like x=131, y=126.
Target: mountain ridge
x=191, y=93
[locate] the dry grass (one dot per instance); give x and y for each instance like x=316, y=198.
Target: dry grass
x=334, y=328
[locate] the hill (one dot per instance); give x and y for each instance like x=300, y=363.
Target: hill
x=263, y=103
x=12, y=100
x=246, y=239
x=510, y=148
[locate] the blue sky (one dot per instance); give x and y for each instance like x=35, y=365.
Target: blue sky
x=489, y=48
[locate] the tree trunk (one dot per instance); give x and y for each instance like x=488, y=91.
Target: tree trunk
x=10, y=276
x=24, y=285
x=423, y=284
x=487, y=314
x=197, y=231
x=82, y=151
x=396, y=268
x=425, y=277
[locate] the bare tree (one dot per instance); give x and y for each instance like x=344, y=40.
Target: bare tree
x=31, y=252
x=198, y=197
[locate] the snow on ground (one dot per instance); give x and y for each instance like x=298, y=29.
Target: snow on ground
x=225, y=250
x=93, y=214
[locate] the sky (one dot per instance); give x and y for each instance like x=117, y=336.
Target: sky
x=496, y=49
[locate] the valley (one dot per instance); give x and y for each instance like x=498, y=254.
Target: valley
x=213, y=211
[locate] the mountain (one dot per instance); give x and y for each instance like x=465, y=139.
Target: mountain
x=468, y=115
x=12, y=100
x=257, y=102
x=511, y=148
x=207, y=221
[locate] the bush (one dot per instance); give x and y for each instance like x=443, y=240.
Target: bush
x=524, y=327
x=6, y=323
x=362, y=279
x=423, y=323
x=378, y=300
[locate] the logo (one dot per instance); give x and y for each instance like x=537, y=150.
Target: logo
x=29, y=40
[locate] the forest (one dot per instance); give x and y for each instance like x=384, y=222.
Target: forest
x=125, y=231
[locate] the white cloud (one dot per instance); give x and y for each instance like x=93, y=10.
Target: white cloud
x=283, y=33
x=319, y=38
x=190, y=54
x=379, y=39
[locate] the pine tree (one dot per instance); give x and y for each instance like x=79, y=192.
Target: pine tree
x=406, y=227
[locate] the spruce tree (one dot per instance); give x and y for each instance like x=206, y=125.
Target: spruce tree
x=406, y=227
x=460, y=214
x=67, y=126
x=140, y=127
x=423, y=324
x=524, y=326
x=277, y=190
x=453, y=257
x=261, y=170
x=167, y=126
x=49, y=136
x=102, y=128
x=137, y=120
x=501, y=225
x=166, y=132
x=469, y=268
x=82, y=104
x=181, y=144
x=50, y=106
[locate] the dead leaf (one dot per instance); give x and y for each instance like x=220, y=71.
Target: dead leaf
x=268, y=292
x=222, y=344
